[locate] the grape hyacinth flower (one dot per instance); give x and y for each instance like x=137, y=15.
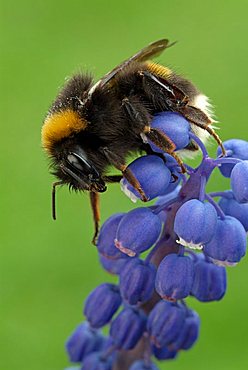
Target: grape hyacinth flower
x=83, y=341
x=180, y=246
x=209, y=281
x=174, y=277
x=148, y=168
x=231, y=207
x=201, y=225
x=137, y=281
x=106, y=296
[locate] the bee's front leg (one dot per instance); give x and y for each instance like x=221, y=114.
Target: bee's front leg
x=164, y=143
x=95, y=206
x=126, y=172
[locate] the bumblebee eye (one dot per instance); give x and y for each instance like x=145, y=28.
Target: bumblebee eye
x=81, y=164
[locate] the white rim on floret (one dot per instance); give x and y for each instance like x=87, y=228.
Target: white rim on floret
x=128, y=193
x=223, y=263
x=190, y=245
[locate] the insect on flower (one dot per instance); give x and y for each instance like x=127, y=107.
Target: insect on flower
x=93, y=125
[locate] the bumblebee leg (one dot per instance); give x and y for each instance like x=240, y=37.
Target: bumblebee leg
x=149, y=151
x=192, y=146
x=200, y=119
x=127, y=173
x=112, y=178
x=163, y=142
x=95, y=205
x=136, y=113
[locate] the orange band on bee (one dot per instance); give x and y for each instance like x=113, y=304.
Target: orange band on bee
x=60, y=125
x=158, y=70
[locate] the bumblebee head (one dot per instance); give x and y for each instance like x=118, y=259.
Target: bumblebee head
x=75, y=169
x=70, y=162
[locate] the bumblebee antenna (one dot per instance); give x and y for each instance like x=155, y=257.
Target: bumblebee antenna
x=54, y=198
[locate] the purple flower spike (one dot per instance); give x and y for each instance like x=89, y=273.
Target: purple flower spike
x=83, y=341
x=238, y=210
x=228, y=245
x=165, y=322
x=175, y=126
x=105, y=242
x=127, y=328
x=195, y=223
x=237, y=149
x=209, y=282
x=138, y=231
x=137, y=281
x=143, y=365
x=163, y=353
x=152, y=174
x=239, y=181
x=174, y=277
x=102, y=304
x=97, y=361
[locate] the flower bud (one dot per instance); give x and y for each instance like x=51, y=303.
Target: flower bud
x=152, y=174
x=143, y=365
x=138, y=231
x=209, y=282
x=97, y=361
x=102, y=304
x=238, y=149
x=127, y=328
x=228, y=245
x=137, y=281
x=239, y=181
x=163, y=353
x=174, y=277
x=107, y=234
x=165, y=322
x=114, y=266
x=195, y=223
x=189, y=333
x=238, y=210
x=173, y=125
x=83, y=341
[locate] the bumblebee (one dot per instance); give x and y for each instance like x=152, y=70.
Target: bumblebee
x=91, y=126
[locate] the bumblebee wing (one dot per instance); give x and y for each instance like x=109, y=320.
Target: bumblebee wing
x=152, y=50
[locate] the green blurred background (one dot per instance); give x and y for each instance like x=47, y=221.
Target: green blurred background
x=48, y=268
